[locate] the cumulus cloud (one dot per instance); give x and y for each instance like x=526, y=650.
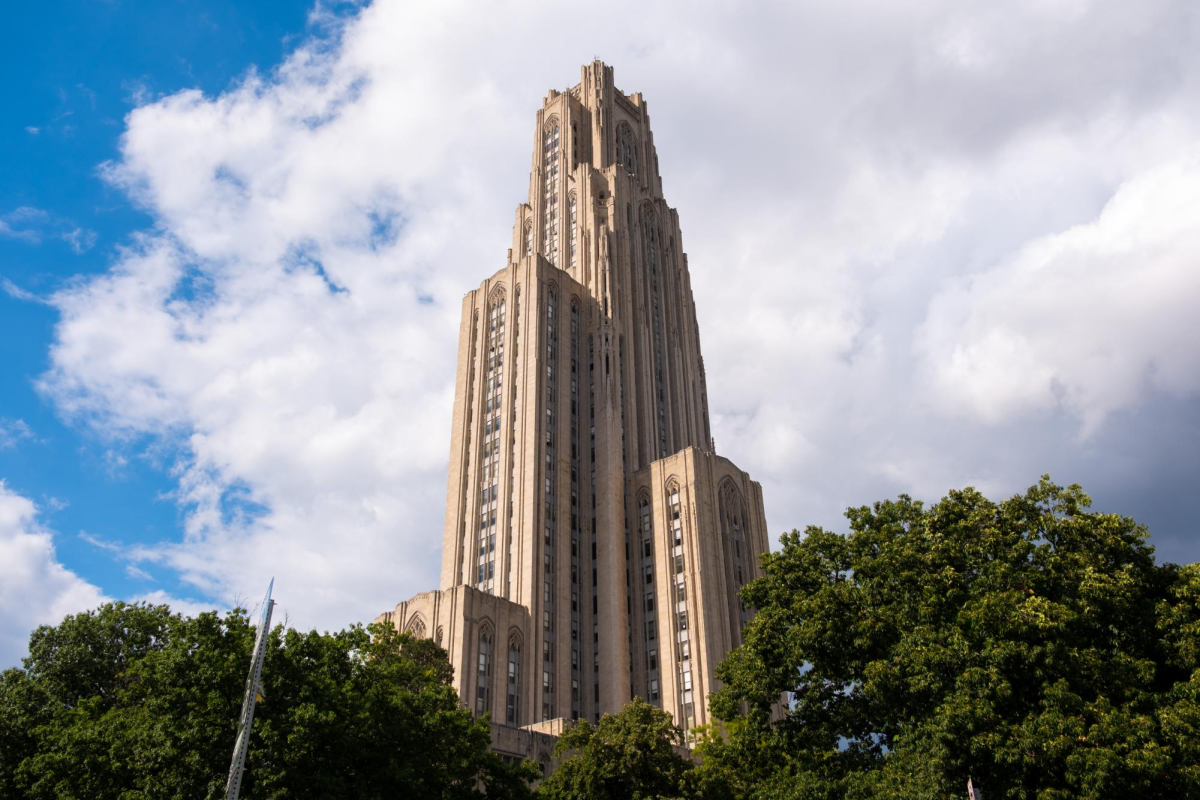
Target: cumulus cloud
x=35, y=589
x=881, y=206
x=1092, y=319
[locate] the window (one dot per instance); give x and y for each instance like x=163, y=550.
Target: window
x=485, y=671
x=574, y=229
x=652, y=245
x=627, y=150
x=514, y=682
x=488, y=487
x=550, y=150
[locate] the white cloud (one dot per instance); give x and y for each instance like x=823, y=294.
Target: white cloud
x=32, y=225
x=1094, y=319
x=13, y=431
x=35, y=589
x=180, y=605
x=858, y=183
x=23, y=223
x=80, y=240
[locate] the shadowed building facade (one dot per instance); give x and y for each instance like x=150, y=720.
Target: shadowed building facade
x=594, y=541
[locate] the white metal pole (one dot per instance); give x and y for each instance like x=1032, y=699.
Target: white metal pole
x=233, y=786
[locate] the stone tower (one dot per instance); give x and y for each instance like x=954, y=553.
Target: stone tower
x=594, y=541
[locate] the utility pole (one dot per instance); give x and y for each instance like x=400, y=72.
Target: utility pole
x=233, y=786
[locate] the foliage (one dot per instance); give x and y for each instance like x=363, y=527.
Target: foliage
x=132, y=701
x=1031, y=645
x=626, y=755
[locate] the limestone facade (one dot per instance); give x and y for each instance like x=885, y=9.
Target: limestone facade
x=594, y=542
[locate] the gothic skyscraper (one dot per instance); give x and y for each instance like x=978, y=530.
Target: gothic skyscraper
x=594, y=541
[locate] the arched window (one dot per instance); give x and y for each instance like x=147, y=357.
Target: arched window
x=732, y=517
x=550, y=151
x=489, y=468
x=482, y=692
x=416, y=627
x=627, y=153
x=574, y=206
x=512, y=716
x=646, y=550
x=652, y=245
x=528, y=239
x=680, y=606
x=438, y=639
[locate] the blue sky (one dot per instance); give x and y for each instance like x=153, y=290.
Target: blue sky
x=78, y=69
x=933, y=244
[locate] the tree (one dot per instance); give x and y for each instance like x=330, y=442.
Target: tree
x=1031, y=645
x=631, y=754
x=132, y=701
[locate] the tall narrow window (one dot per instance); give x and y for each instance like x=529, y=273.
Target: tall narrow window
x=482, y=691
x=646, y=548
x=652, y=245
x=489, y=468
x=574, y=228
x=686, y=712
x=730, y=512
x=550, y=500
x=550, y=150
x=575, y=446
x=512, y=713
x=627, y=153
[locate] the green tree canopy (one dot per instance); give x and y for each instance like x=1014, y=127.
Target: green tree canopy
x=1029, y=644
x=132, y=701
x=631, y=754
